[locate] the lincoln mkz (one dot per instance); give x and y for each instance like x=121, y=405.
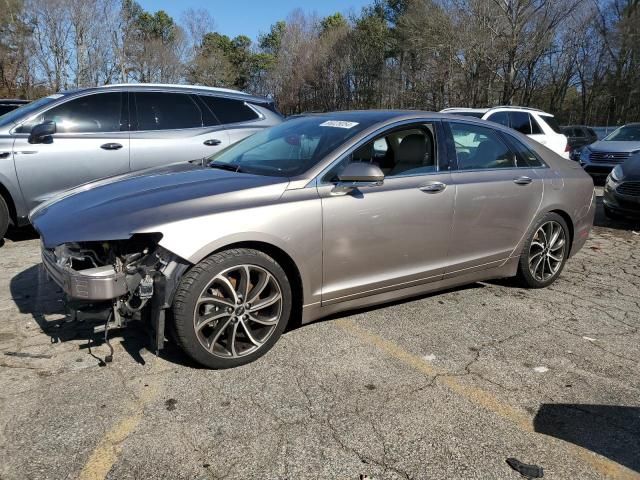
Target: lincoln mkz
x=320, y=214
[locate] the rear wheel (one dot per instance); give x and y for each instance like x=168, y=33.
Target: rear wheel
x=4, y=217
x=545, y=252
x=231, y=308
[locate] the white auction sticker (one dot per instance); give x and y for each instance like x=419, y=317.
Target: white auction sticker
x=338, y=124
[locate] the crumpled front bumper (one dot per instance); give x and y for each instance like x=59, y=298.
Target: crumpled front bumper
x=92, y=284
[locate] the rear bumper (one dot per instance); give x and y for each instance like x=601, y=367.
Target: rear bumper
x=93, y=284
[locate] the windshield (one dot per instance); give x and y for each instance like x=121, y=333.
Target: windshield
x=288, y=149
x=23, y=112
x=627, y=133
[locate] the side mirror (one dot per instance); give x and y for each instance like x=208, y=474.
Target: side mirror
x=42, y=132
x=356, y=175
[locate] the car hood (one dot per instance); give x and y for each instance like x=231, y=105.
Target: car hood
x=116, y=208
x=614, y=146
x=631, y=168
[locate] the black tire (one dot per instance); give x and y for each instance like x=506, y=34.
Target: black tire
x=4, y=218
x=525, y=277
x=199, y=279
x=612, y=214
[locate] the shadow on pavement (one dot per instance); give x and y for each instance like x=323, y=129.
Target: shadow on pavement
x=20, y=234
x=608, y=430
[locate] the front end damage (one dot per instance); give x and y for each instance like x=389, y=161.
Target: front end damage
x=131, y=279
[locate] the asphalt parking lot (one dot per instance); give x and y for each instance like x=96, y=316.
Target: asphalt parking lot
x=444, y=386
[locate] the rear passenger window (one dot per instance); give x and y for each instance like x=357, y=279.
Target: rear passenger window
x=499, y=117
x=229, y=110
x=520, y=122
x=166, y=111
x=480, y=148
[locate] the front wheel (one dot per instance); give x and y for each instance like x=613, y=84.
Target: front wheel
x=545, y=252
x=231, y=308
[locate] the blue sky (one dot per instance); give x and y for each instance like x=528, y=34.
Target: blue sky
x=251, y=17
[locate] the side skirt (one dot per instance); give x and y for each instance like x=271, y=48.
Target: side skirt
x=316, y=311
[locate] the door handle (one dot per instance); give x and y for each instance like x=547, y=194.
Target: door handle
x=212, y=142
x=522, y=180
x=433, y=187
x=5, y=154
x=111, y=146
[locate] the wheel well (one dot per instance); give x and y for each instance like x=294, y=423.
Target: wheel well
x=4, y=193
x=565, y=216
x=289, y=267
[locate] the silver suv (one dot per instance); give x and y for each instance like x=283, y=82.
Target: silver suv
x=71, y=138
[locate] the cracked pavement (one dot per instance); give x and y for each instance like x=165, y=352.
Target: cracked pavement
x=444, y=386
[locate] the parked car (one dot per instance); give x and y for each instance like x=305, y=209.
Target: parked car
x=601, y=157
x=317, y=215
x=9, y=104
x=622, y=190
x=71, y=138
x=536, y=124
x=578, y=136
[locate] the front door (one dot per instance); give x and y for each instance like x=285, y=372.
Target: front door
x=91, y=142
x=394, y=235
x=496, y=199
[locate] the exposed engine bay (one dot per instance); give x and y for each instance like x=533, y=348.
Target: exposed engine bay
x=128, y=279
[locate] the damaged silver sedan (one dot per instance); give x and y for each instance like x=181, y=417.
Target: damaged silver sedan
x=321, y=214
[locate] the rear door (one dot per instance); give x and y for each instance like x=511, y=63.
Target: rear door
x=171, y=127
x=91, y=142
x=496, y=199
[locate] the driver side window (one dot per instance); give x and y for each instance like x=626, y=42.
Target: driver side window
x=400, y=152
x=480, y=148
x=88, y=114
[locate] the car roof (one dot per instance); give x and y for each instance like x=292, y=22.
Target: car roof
x=389, y=116
x=497, y=107
x=465, y=109
x=225, y=92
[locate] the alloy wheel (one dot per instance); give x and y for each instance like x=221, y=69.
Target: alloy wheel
x=546, y=251
x=238, y=311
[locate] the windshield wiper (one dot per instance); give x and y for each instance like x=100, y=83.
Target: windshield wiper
x=226, y=166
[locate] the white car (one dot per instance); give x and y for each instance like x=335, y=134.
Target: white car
x=536, y=124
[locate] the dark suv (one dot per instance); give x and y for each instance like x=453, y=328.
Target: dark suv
x=578, y=136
